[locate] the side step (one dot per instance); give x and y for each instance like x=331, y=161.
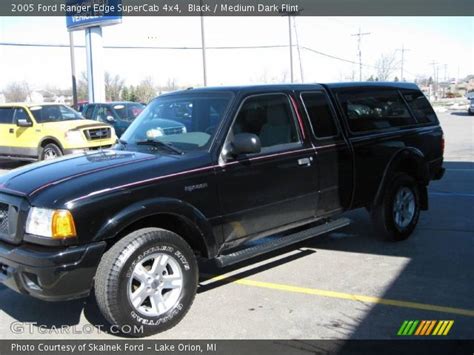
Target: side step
x=250, y=252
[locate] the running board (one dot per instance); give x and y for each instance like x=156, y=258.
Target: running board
x=250, y=252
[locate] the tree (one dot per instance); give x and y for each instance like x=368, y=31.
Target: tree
x=396, y=79
x=145, y=90
x=17, y=92
x=82, y=89
x=371, y=78
x=113, y=86
x=386, y=65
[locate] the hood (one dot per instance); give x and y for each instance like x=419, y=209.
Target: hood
x=34, y=178
x=53, y=184
x=75, y=124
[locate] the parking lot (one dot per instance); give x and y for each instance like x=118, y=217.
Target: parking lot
x=343, y=285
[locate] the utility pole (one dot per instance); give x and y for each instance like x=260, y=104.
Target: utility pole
x=403, y=50
x=291, y=49
x=299, y=51
x=73, y=69
x=435, y=78
x=359, y=36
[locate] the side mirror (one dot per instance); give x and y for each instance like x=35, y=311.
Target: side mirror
x=110, y=118
x=23, y=122
x=245, y=143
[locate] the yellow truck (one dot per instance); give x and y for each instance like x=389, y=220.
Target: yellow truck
x=47, y=131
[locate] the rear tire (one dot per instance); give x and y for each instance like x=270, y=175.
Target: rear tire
x=397, y=215
x=50, y=151
x=146, y=283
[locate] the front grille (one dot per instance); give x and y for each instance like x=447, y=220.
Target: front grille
x=4, y=219
x=98, y=133
x=173, y=130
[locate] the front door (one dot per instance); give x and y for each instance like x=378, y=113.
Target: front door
x=278, y=186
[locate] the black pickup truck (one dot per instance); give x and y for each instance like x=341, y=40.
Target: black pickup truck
x=254, y=162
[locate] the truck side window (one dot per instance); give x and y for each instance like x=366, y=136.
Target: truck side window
x=370, y=110
x=21, y=114
x=6, y=115
x=420, y=106
x=320, y=115
x=270, y=117
x=89, y=111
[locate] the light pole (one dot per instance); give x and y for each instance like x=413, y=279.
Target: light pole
x=73, y=69
x=203, y=46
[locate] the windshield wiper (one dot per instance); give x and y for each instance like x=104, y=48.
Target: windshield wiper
x=160, y=144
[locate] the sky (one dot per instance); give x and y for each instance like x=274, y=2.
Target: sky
x=448, y=41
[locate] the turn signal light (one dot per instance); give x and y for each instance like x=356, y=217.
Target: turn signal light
x=63, y=226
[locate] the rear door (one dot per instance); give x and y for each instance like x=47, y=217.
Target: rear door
x=333, y=156
x=276, y=187
x=6, y=133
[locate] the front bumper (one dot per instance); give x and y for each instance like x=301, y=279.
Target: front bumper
x=51, y=274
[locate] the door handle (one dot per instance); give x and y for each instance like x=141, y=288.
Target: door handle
x=305, y=161
x=11, y=130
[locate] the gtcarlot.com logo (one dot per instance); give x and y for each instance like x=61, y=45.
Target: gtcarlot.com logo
x=425, y=327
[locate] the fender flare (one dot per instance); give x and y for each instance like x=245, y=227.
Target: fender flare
x=50, y=138
x=411, y=156
x=135, y=212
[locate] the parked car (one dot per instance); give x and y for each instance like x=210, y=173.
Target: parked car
x=118, y=114
x=275, y=163
x=47, y=131
x=470, y=109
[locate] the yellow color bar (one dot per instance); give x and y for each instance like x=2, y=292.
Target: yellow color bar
x=448, y=328
x=445, y=323
x=438, y=327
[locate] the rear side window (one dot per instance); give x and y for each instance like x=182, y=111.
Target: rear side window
x=6, y=115
x=320, y=115
x=369, y=110
x=420, y=106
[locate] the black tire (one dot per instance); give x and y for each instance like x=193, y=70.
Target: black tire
x=383, y=215
x=50, y=151
x=114, y=279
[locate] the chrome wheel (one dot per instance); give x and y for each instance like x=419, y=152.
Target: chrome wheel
x=404, y=207
x=155, y=285
x=49, y=154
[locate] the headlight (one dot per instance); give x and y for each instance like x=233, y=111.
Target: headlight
x=55, y=224
x=74, y=137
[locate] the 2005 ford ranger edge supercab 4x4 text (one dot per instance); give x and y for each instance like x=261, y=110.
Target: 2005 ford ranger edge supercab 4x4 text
x=130, y=223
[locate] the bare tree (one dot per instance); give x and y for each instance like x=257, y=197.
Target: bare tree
x=113, y=86
x=17, y=92
x=386, y=65
x=146, y=90
x=82, y=90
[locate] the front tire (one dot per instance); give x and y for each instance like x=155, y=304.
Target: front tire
x=397, y=216
x=50, y=151
x=146, y=283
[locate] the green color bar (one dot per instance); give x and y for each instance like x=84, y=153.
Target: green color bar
x=404, y=324
x=407, y=328
x=413, y=327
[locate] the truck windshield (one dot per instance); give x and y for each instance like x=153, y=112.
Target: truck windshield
x=185, y=121
x=54, y=113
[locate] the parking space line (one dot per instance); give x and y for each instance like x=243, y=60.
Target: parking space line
x=346, y=296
